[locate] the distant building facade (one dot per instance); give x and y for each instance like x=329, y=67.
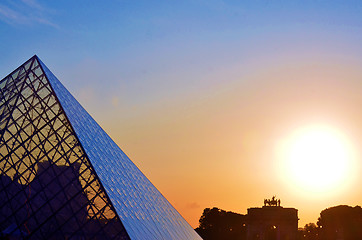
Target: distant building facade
x=272, y=222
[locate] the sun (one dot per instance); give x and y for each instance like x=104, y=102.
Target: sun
x=317, y=160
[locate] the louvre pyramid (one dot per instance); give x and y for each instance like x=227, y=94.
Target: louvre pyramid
x=62, y=176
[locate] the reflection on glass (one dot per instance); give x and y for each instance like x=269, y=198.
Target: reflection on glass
x=48, y=188
x=62, y=176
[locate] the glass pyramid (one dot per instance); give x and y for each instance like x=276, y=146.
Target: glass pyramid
x=62, y=176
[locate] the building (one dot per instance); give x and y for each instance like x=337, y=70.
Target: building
x=62, y=176
x=272, y=222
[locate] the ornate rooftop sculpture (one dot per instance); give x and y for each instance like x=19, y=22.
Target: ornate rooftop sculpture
x=272, y=202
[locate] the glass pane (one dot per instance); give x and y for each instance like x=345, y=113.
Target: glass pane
x=48, y=188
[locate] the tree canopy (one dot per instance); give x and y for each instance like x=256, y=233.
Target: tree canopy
x=216, y=223
x=341, y=221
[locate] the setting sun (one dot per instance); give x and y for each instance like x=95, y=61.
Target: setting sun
x=318, y=160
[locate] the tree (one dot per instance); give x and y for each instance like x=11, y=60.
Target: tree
x=309, y=232
x=344, y=222
x=219, y=224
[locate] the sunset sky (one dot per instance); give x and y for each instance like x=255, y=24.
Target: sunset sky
x=219, y=103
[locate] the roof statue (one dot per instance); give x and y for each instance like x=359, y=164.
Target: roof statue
x=63, y=177
x=272, y=202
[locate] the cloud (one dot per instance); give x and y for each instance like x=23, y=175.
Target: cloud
x=87, y=95
x=25, y=12
x=192, y=205
x=115, y=101
x=33, y=4
x=10, y=16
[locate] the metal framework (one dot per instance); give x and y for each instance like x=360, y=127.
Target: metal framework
x=48, y=187
x=62, y=177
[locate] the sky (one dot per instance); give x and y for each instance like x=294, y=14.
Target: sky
x=208, y=97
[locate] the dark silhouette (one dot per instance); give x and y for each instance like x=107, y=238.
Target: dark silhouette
x=341, y=222
x=54, y=204
x=272, y=202
x=335, y=223
x=309, y=232
x=272, y=222
x=218, y=224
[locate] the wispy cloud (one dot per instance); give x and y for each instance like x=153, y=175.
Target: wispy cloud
x=33, y=4
x=10, y=16
x=25, y=12
x=192, y=205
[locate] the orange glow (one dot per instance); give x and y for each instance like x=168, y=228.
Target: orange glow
x=318, y=161
x=217, y=144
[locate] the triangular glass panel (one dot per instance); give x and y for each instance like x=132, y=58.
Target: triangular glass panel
x=62, y=176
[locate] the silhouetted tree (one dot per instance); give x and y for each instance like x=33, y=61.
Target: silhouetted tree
x=341, y=222
x=309, y=232
x=219, y=224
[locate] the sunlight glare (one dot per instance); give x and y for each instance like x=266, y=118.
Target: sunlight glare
x=318, y=159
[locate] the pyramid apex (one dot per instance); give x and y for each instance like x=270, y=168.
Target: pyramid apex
x=62, y=153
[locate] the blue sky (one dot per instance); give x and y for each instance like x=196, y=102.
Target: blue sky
x=170, y=34
x=209, y=84
x=119, y=30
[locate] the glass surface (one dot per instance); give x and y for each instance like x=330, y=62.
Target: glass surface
x=62, y=176
x=48, y=188
x=144, y=212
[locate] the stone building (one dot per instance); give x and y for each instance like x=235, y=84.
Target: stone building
x=272, y=222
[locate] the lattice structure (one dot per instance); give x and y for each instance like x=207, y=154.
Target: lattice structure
x=62, y=177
